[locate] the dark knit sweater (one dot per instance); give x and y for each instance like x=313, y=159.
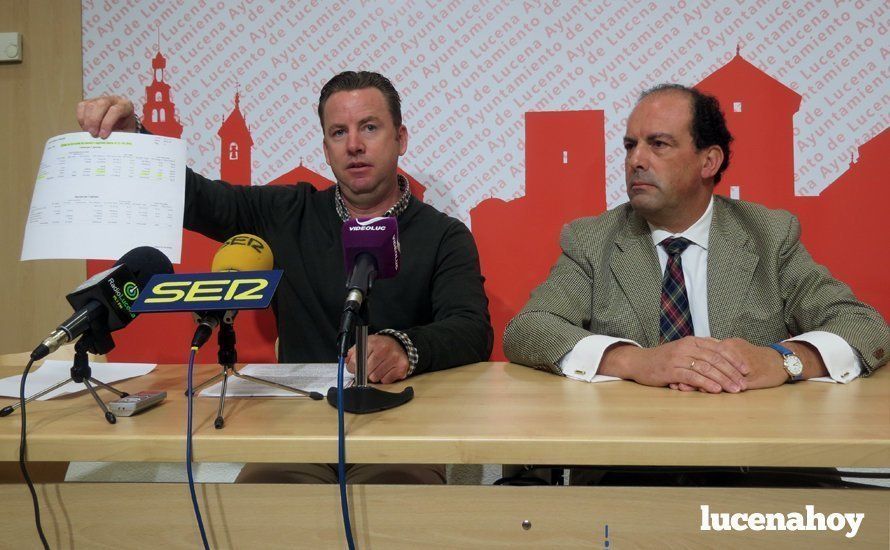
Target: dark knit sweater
x=437, y=298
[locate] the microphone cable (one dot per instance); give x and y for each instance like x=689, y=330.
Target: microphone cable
x=23, y=452
x=341, y=455
x=188, y=449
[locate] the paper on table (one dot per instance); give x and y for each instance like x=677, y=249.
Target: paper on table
x=99, y=198
x=304, y=376
x=596, y=378
x=53, y=371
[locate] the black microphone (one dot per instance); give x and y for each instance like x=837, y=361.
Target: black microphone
x=370, y=252
x=102, y=303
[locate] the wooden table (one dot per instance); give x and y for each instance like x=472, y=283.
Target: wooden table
x=479, y=414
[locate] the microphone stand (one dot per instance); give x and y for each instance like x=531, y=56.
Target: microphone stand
x=82, y=374
x=227, y=357
x=361, y=398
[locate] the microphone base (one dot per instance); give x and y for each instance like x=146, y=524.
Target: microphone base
x=228, y=371
x=80, y=373
x=367, y=399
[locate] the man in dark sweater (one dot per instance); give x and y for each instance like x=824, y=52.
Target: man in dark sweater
x=435, y=302
x=433, y=315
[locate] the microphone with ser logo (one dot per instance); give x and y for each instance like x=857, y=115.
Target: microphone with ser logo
x=244, y=252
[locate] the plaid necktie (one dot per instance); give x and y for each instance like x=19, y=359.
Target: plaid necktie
x=676, y=320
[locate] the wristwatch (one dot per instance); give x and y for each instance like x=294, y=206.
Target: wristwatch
x=790, y=362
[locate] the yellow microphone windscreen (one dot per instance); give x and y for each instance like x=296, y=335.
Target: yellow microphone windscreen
x=244, y=252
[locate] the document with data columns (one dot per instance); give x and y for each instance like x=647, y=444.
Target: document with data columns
x=99, y=198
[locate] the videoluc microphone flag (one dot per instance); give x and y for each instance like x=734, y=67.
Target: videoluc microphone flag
x=244, y=252
x=370, y=252
x=103, y=303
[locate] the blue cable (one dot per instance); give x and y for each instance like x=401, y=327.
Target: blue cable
x=341, y=456
x=188, y=450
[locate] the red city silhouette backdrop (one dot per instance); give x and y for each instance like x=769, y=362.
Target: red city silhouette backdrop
x=844, y=228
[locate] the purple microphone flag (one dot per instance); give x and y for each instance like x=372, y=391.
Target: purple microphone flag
x=378, y=237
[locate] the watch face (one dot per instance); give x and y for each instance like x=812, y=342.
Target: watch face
x=793, y=364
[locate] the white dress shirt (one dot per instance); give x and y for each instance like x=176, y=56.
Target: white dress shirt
x=582, y=362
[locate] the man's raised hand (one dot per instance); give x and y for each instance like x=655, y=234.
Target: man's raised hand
x=102, y=115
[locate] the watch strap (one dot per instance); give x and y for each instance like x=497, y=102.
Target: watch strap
x=781, y=349
x=785, y=353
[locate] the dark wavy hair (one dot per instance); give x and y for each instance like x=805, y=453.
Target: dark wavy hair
x=352, y=80
x=708, y=123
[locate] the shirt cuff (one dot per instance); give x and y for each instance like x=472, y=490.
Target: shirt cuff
x=407, y=344
x=840, y=358
x=583, y=360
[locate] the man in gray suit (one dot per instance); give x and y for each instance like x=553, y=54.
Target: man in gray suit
x=685, y=289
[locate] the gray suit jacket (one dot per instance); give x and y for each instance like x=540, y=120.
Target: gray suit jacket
x=762, y=286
